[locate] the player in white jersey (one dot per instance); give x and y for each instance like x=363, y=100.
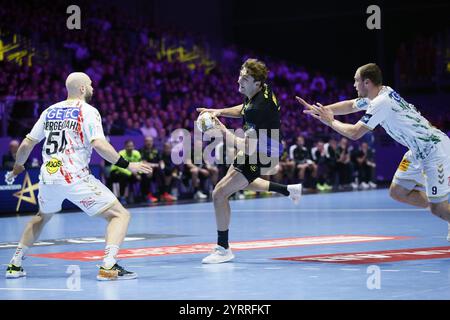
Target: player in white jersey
x=423, y=177
x=71, y=129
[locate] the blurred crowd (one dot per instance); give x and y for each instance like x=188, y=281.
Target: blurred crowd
x=139, y=92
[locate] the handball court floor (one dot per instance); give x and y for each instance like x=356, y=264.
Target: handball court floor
x=349, y=245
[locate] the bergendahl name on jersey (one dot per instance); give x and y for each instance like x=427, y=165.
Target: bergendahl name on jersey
x=62, y=118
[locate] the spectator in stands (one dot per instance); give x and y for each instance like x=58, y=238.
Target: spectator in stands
x=331, y=150
x=344, y=163
x=196, y=171
x=151, y=155
x=148, y=129
x=304, y=164
x=322, y=159
x=363, y=160
x=171, y=173
x=125, y=177
x=286, y=166
x=10, y=158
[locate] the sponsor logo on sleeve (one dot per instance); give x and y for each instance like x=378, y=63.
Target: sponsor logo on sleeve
x=365, y=119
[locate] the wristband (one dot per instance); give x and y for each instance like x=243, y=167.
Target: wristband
x=122, y=163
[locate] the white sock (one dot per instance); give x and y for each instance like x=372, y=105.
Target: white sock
x=19, y=254
x=111, y=252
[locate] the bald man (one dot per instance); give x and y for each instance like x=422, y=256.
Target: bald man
x=9, y=158
x=71, y=128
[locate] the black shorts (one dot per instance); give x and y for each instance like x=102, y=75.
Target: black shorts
x=250, y=171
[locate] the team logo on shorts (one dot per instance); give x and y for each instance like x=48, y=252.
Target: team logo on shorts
x=404, y=165
x=53, y=165
x=253, y=168
x=88, y=202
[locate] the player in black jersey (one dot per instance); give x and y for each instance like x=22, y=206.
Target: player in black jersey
x=256, y=156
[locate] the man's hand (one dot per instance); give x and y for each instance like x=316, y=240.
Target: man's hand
x=214, y=112
x=140, y=167
x=317, y=111
x=17, y=169
x=218, y=124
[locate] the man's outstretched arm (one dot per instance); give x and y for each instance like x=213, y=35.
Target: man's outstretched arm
x=107, y=152
x=350, y=131
x=338, y=108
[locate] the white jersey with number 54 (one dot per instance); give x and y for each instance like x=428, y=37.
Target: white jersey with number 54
x=68, y=128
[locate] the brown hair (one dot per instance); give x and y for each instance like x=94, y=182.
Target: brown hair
x=372, y=72
x=257, y=69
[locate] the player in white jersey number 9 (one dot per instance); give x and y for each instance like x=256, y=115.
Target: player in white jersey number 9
x=429, y=148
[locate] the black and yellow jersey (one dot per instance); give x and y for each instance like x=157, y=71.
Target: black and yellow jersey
x=263, y=112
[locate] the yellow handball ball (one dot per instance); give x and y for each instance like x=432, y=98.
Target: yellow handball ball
x=205, y=122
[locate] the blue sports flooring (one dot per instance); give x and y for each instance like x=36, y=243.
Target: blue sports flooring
x=254, y=274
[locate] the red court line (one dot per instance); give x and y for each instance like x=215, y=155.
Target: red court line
x=93, y=255
x=377, y=256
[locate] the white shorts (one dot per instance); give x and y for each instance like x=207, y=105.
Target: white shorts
x=431, y=175
x=88, y=194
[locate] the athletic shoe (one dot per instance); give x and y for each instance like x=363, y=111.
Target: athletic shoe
x=320, y=187
x=168, y=197
x=14, y=272
x=372, y=185
x=354, y=185
x=200, y=195
x=116, y=272
x=239, y=196
x=295, y=192
x=327, y=187
x=365, y=185
x=249, y=193
x=151, y=198
x=219, y=255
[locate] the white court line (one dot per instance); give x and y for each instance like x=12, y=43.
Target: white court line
x=167, y=266
x=313, y=276
x=349, y=269
x=310, y=268
x=302, y=210
x=272, y=268
x=38, y=289
x=39, y=265
x=425, y=271
x=388, y=270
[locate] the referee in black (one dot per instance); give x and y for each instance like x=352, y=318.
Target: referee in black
x=261, y=123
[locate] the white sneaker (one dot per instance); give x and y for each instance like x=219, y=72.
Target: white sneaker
x=14, y=272
x=354, y=185
x=372, y=185
x=448, y=234
x=295, y=192
x=219, y=255
x=365, y=185
x=200, y=195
